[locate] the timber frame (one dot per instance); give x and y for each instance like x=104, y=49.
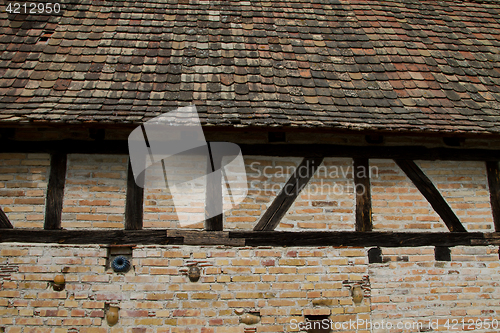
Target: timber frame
x=263, y=233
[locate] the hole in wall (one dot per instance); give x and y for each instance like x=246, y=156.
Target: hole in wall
x=442, y=253
x=375, y=255
x=317, y=323
x=118, y=251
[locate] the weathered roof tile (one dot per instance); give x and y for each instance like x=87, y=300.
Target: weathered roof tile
x=349, y=61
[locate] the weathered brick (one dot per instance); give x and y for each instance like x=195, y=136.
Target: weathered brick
x=204, y=295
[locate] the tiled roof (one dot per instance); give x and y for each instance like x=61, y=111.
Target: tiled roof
x=402, y=65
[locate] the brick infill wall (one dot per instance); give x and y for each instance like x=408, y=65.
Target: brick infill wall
x=281, y=285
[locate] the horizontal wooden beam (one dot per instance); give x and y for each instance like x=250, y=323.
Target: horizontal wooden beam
x=209, y=237
x=250, y=238
x=371, y=151
x=107, y=237
x=282, y=150
x=65, y=146
x=365, y=239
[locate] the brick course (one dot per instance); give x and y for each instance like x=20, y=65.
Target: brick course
x=157, y=296
x=464, y=185
x=96, y=186
x=326, y=203
x=414, y=288
x=94, y=193
x=399, y=206
x=160, y=211
x=281, y=283
x=23, y=187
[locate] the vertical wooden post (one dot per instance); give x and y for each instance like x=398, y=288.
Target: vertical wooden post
x=363, y=194
x=133, y=202
x=214, y=200
x=493, y=172
x=55, y=191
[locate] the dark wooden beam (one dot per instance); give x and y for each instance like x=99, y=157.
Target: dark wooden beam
x=361, y=170
x=198, y=237
x=385, y=152
x=214, y=200
x=493, y=171
x=66, y=146
x=365, y=239
x=55, y=191
x=278, y=208
x=4, y=220
x=133, y=203
x=108, y=237
x=431, y=193
x=214, y=223
x=250, y=238
x=283, y=150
